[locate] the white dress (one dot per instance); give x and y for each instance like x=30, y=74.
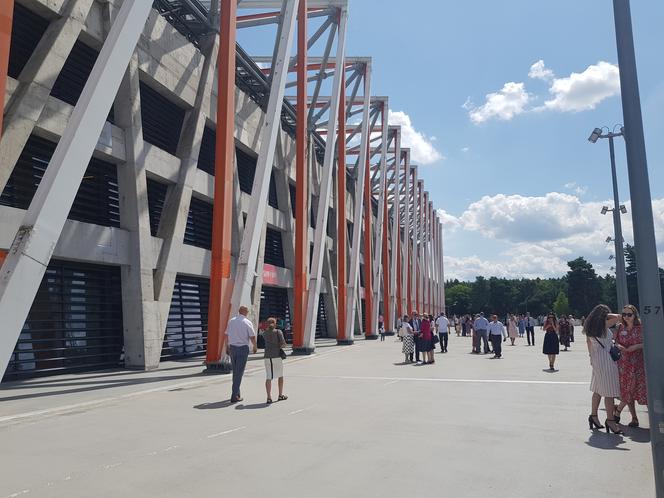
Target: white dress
x=605, y=380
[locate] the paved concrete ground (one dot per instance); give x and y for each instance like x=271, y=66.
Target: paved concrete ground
x=358, y=424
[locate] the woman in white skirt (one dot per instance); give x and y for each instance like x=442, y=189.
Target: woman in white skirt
x=408, y=346
x=274, y=365
x=605, y=382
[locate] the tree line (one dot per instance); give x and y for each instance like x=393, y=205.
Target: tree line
x=575, y=293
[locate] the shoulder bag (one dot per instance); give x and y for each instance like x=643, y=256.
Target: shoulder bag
x=614, y=351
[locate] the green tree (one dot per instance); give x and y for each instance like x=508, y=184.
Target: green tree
x=479, y=299
x=561, y=305
x=458, y=298
x=583, y=286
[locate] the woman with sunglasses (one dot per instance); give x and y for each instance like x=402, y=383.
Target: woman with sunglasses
x=604, y=381
x=629, y=340
x=551, y=346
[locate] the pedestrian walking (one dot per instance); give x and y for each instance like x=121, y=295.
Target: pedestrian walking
x=497, y=336
x=530, y=329
x=551, y=346
x=631, y=369
x=604, y=381
x=240, y=334
x=512, y=328
x=442, y=326
x=522, y=326
x=480, y=327
x=565, y=330
x=407, y=334
x=274, y=359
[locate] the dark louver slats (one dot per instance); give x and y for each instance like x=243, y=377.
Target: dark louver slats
x=97, y=200
x=156, y=198
x=162, y=120
x=246, y=170
x=27, y=29
x=199, y=224
x=274, y=250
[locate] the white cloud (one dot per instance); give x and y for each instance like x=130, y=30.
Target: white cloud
x=538, y=235
x=508, y=102
x=576, y=188
x=422, y=149
x=449, y=221
x=584, y=91
x=539, y=71
x=465, y=149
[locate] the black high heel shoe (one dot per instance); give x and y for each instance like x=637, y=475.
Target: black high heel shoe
x=610, y=429
x=592, y=424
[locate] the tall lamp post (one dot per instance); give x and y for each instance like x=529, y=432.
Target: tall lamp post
x=650, y=294
x=621, y=275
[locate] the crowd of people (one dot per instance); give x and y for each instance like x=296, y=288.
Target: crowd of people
x=614, y=342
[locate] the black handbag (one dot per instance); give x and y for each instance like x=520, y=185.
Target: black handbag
x=282, y=354
x=614, y=351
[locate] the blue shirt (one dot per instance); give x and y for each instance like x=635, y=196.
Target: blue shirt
x=481, y=323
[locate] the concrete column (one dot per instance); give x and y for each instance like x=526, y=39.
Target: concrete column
x=143, y=336
x=36, y=82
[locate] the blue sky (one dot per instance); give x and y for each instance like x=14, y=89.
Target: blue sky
x=520, y=185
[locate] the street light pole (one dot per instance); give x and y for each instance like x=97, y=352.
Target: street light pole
x=650, y=295
x=621, y=275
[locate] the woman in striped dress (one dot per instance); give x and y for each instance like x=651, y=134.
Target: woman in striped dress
x=408, y=346
x=605, y=381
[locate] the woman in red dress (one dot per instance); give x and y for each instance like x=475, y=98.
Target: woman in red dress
x=629, y=340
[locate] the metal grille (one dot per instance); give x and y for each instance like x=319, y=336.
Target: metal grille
x=75, y=323
x=162, y=120
x=321, y=319
x=199, y=224
x=206, y=155
x=187, y=327
x=156, y=197
x=246, y=170
x=274, y=303
x=27, y=30
x=274, y=250
x=96, y=201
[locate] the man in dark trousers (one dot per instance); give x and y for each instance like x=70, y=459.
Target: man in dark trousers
x=416, y=323
x=530, y=329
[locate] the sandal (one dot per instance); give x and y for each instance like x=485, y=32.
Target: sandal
x=282, y=397
x=269, y=401
x=633, y=423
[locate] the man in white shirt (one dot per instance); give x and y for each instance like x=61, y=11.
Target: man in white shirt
x=240, y=334
x=497, y=336
x=443, y=326
x=480, y=327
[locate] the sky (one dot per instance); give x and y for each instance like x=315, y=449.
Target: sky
x=496, y=101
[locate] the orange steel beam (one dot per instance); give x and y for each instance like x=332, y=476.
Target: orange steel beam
x=368, y=260
x=426, y=254
x=222, y=215
x=431, y=303
x=386, y=274
x=341, y=219
x=6, y=16
x=418, y=260
x=301, y=176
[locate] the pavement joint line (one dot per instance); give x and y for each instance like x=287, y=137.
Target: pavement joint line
x=434, y=379
x=211, y=436
x=300, y=410
x=6, y=420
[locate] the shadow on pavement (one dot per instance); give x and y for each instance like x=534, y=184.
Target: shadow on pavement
x=213, y=406
x=604, y=441
x=638, y=435
x=255, y=406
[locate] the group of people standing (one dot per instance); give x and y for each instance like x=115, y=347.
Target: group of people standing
x=615, y=345
x=420, y=334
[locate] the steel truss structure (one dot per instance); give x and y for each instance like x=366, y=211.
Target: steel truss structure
x=306, y=112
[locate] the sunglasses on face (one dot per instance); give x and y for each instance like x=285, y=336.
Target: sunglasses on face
x=630, y=315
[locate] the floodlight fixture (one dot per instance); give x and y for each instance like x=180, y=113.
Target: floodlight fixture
x=595, y=135
x=609, y=239
x=604, y=210
x=623, y=209
x=611, y=256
